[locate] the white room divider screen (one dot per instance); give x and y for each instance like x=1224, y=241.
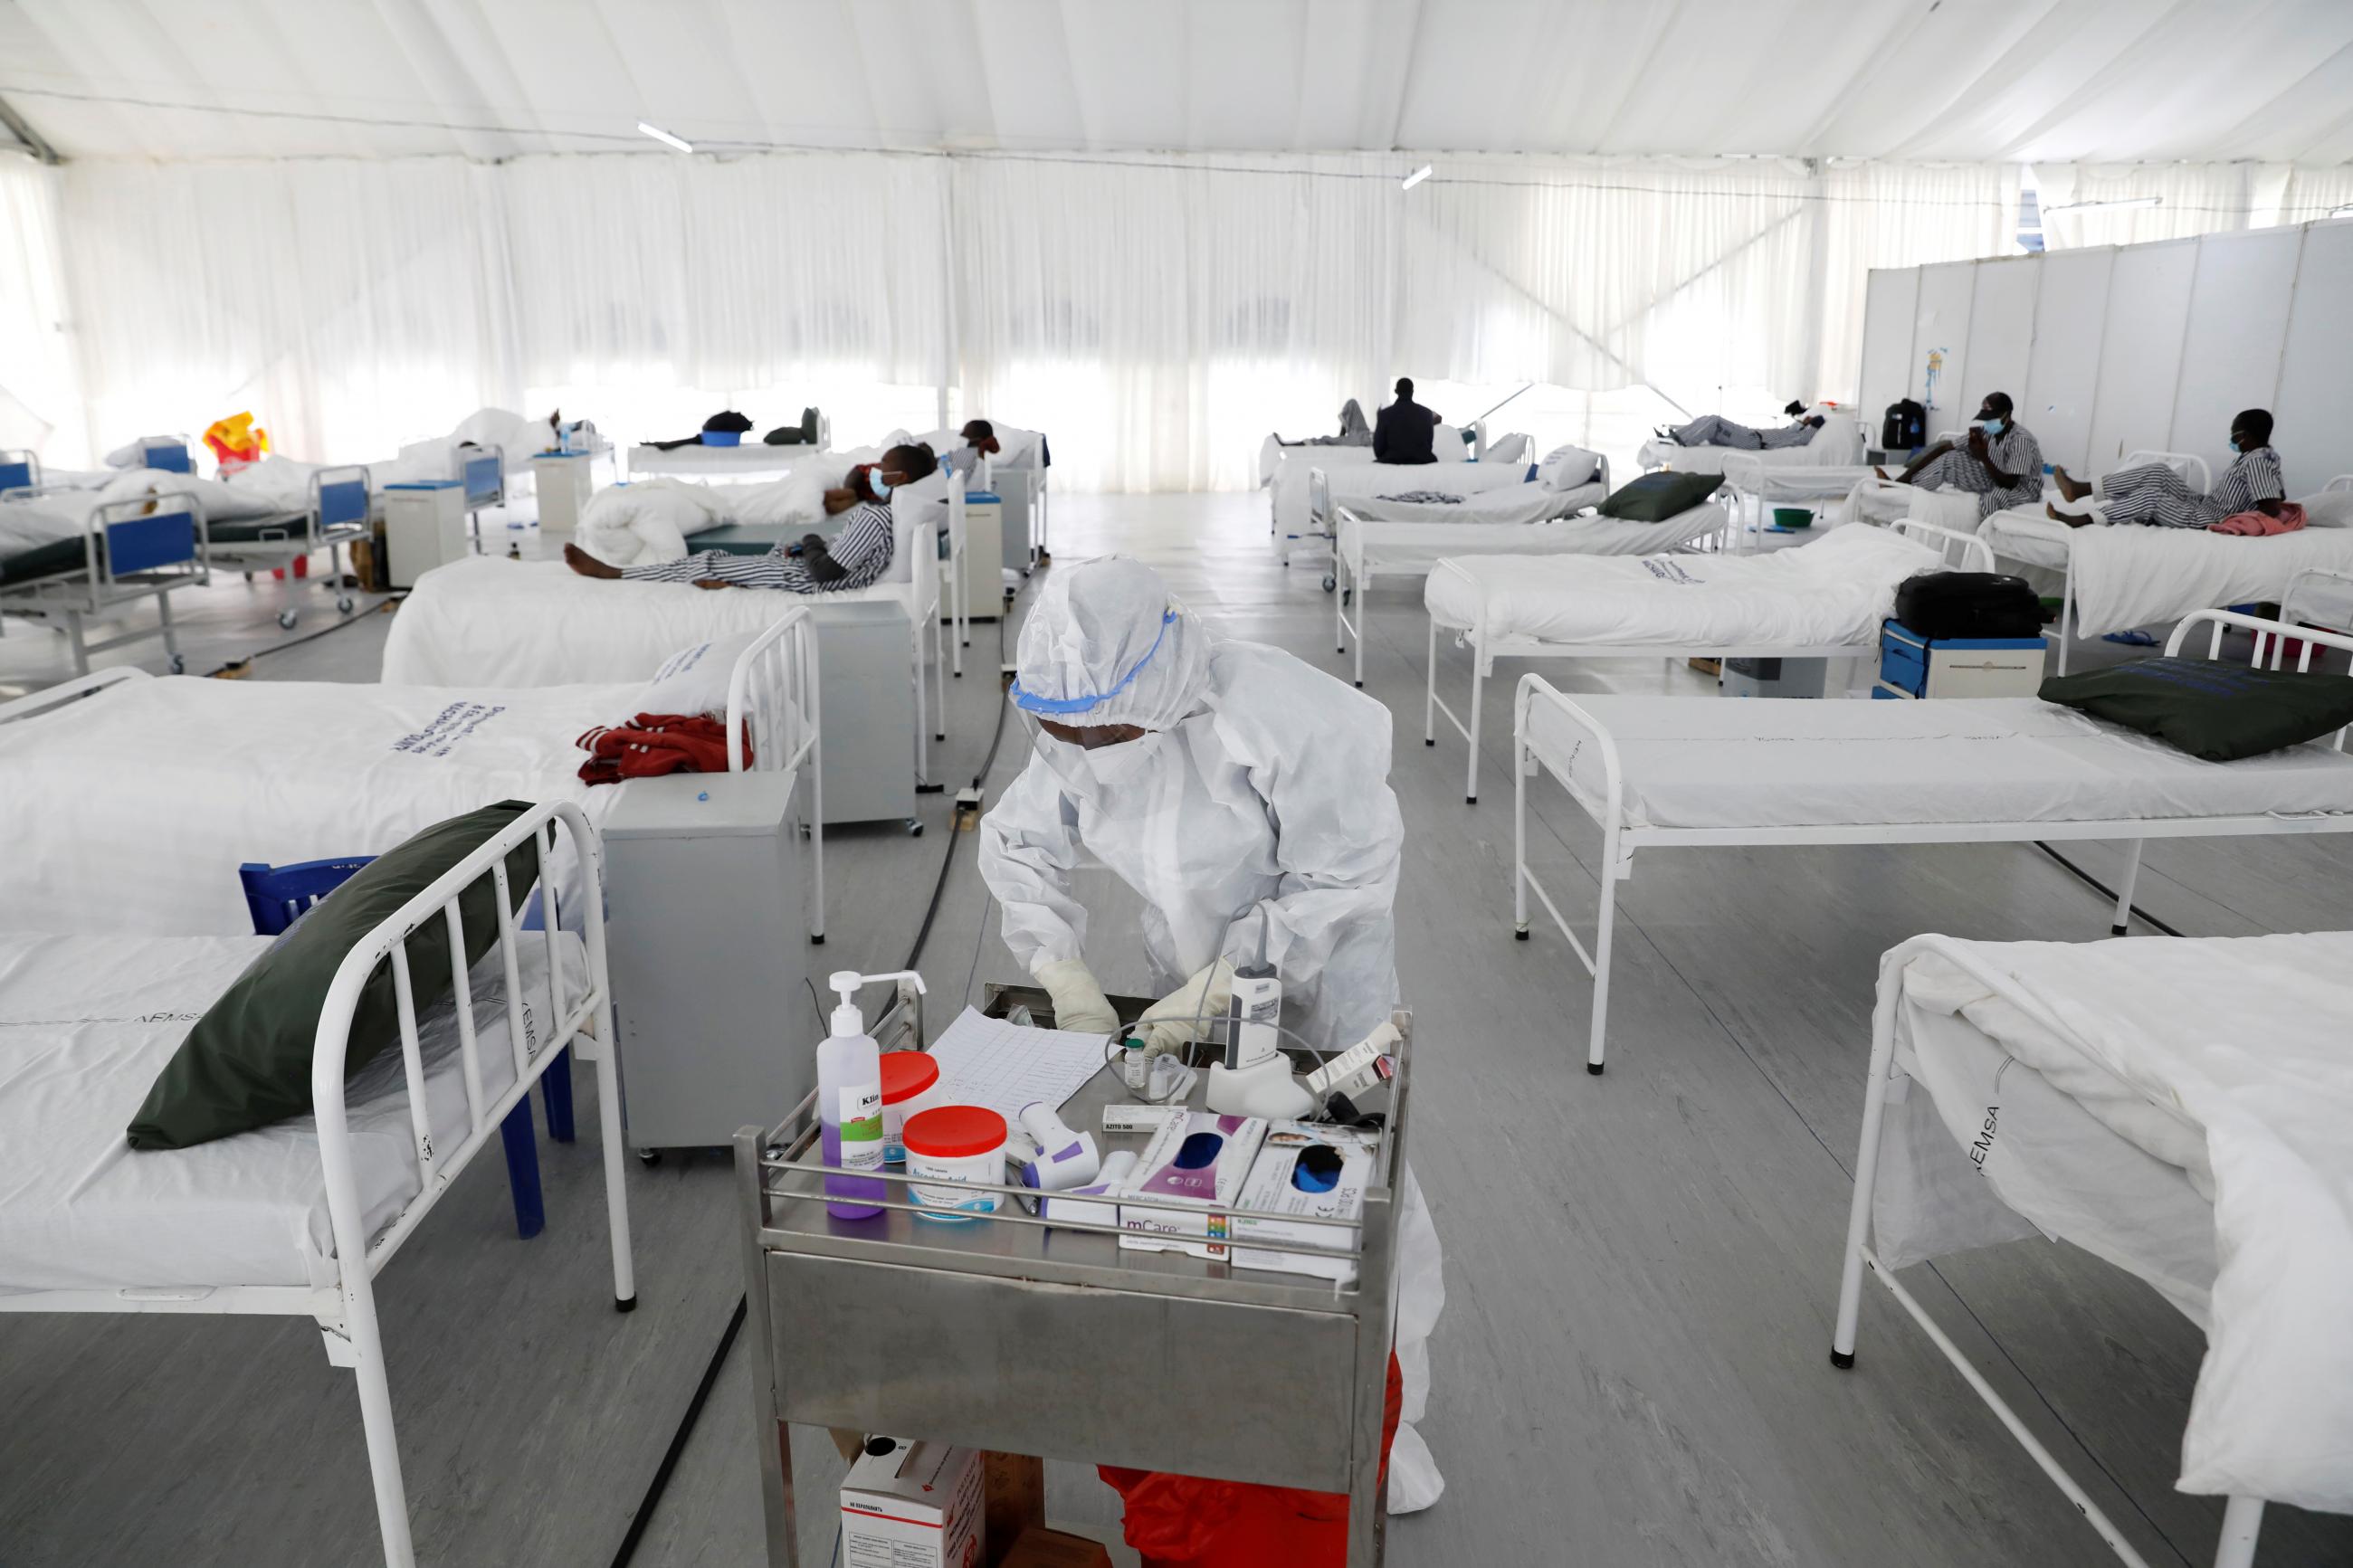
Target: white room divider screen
x=2112, y=349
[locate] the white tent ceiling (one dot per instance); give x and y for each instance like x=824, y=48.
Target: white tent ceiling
x=1924, y=79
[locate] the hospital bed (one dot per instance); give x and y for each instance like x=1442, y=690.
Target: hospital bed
x=296, y=1219
x=2026, y=1089
x=1823, y=600
x=1670, y=772
x=2117, y=578
x=133, y=800
x=699, y=461
x=98, y=560
x=1307, y=510
x=1404, y=539
x=532, y=624
x=1839, y=442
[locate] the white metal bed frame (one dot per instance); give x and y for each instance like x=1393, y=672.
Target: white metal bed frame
x=1620, y=838
x=771, y=703
x=95, y=589
x=2243, y=1517
x=1353, y=571
x=345, y=1311
x=1485, y=650
x=1319, y=527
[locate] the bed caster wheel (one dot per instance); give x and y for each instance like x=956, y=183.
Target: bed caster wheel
x=649, y=1157
x=1330, y=582
x=179, y=664
x=286, y=619
x=344, y=603
x=1842, y=1360
x=914, y=828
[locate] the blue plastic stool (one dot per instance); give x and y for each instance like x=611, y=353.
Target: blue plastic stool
x=278, y=895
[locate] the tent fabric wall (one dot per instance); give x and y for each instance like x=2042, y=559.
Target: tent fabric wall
x=41, y=391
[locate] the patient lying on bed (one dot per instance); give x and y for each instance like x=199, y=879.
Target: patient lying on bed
x=857, y=557
x=1716, y=430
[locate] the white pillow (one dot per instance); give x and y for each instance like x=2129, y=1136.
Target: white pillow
x=1565, y=468
x=2330, y=508
x=1448, y=443
x=694, y=680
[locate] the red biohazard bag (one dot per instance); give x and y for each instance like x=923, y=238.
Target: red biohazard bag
x=1186, y=1521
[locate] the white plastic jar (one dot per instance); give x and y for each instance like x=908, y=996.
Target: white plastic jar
x=950, y=1145
x=911, y=1084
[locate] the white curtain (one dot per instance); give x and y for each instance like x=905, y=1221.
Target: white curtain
x=40, y=393
x=350, y=305
x=2091, y=203
x=1157, y=315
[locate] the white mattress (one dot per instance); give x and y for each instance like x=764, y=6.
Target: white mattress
x=1351, y=482
x=1827, y=593
x=2127, y=576
x=754, y=456
x=1735, y=765
x=1509, y=504
x=1400, y=547
x=484, y=620
x=130, y=810
x=2175, y=1107
x=86, y=1022
x=1839, y=442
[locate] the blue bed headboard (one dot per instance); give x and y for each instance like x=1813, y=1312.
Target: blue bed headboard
x=341, y=501
x=485, y=479
x=143, y=543
x=172, y=457
x=16, y=473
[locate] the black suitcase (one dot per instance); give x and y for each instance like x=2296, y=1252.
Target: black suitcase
x=1941, y=604
x=1905, y=427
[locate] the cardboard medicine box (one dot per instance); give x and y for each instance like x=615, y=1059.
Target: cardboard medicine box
x=1181, y=1196
x=914, y=1505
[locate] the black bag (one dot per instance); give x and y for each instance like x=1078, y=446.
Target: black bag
x=801, y=435
x=1942, y=605
x=1906, y=426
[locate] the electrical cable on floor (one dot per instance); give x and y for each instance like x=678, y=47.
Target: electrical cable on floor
x=354, y=618
x=2102, y=888
x=643, y=1514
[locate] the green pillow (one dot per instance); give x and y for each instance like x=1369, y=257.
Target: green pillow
x=1654, y=497
x=2218, y=711
x=247, y=1062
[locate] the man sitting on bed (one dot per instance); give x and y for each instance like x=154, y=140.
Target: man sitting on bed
x=857, y=556
x=2154, y=494
x=2002, y=463
x=1716, y=430
x=1404, y=432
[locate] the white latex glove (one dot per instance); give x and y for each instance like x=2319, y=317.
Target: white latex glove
x=1079, y=1006
x=1190, y=1012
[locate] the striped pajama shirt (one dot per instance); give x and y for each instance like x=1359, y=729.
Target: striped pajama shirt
x=2155, y=495
x=2014, y=451
x=862, y=549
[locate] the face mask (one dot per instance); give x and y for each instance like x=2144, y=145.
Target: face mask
x=1990, y=426
x=1111, y=766
x=2236, y=446
x=878, y=484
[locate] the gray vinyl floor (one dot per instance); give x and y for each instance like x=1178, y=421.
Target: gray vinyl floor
x=1641, y=1269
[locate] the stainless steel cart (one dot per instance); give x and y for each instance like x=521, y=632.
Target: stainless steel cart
x=1003, y=1334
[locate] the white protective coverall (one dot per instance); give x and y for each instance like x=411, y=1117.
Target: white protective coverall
x=1257, y=809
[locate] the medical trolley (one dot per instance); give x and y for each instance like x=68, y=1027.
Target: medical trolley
x=1001, y=1333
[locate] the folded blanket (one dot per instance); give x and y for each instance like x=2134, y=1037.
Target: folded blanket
x=2255, y=523
x=653, y=745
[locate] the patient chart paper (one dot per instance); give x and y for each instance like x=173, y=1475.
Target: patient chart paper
x=988, y=1061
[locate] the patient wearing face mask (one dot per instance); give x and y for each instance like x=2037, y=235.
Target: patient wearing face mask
x=1999, y=461
x=2154, y=495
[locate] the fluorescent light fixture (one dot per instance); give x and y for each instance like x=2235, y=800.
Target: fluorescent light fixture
x=1416, y=177
x=665, y=138
x=2120, y=202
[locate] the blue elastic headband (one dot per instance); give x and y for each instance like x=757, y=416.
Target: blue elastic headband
x=1034, y=703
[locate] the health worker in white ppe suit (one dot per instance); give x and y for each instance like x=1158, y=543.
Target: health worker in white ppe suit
x=1245, y=796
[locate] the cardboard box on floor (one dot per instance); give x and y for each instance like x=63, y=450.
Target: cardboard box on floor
x=1014, y=1488
x=1042, y=1548
x=913, y=1505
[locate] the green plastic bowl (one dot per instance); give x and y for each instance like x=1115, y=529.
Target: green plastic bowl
x=1793, y=517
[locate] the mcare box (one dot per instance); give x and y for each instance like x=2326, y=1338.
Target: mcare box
x=913, y=1505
